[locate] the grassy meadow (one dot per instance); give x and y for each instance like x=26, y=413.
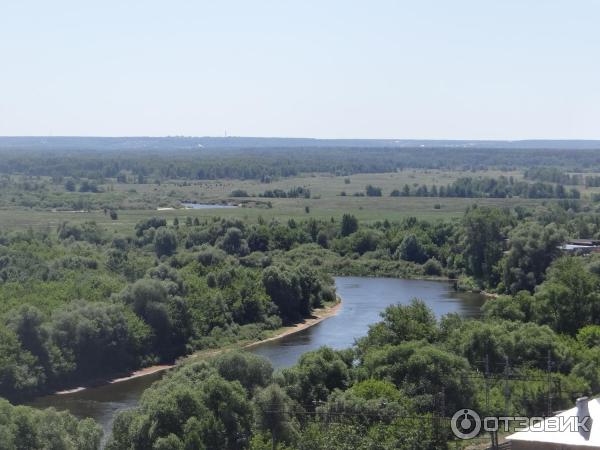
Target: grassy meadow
x=140, y=201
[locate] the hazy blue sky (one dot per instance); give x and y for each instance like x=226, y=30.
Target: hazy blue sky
x=389, y=69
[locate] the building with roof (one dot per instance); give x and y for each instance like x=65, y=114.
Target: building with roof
x=577, y=428
x=581, y=246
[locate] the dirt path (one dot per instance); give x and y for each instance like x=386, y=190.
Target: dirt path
x=318, y=316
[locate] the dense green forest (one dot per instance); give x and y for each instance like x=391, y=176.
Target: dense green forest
x=132, y=164
x=387, y=391
x=164, y=272
x=390, y=391
x=83, y=301
x=80, y=301
x=27, y=428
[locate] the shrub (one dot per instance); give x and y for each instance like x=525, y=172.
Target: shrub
x=432, y=267
x=373, y=191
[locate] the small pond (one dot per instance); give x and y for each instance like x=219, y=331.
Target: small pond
x=207, y=205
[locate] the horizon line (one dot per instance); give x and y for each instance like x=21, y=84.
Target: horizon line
x=181, y=136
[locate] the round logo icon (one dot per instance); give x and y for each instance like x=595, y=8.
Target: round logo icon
x=465, y=423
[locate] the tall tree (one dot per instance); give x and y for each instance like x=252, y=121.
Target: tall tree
x=349, y=224
x=484, y=242
x=532, y=249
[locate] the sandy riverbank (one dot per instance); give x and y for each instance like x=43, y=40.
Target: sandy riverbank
x=318, y=315
x=135, y=374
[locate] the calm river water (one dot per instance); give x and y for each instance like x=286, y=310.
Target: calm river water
x=363, y=300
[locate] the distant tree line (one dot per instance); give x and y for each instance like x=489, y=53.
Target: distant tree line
x=502, y=187
x=592, y=181
x=267, y=163
x=295, y=192
x=554, y=175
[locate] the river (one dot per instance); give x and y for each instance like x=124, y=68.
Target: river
x=363, y=299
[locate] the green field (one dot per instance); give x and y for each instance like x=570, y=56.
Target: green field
x=323, y=185
x=364, y=208
x=325, y=201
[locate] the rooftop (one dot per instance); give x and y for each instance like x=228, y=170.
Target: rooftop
x=570, y=436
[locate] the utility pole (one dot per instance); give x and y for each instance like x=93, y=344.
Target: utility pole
x=487, y=388
x=549, y=365
x=506, y=386
x=487, y=397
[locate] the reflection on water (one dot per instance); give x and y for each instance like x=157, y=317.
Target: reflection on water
x=363, y=301
x=101, y=403
x=207, y=205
